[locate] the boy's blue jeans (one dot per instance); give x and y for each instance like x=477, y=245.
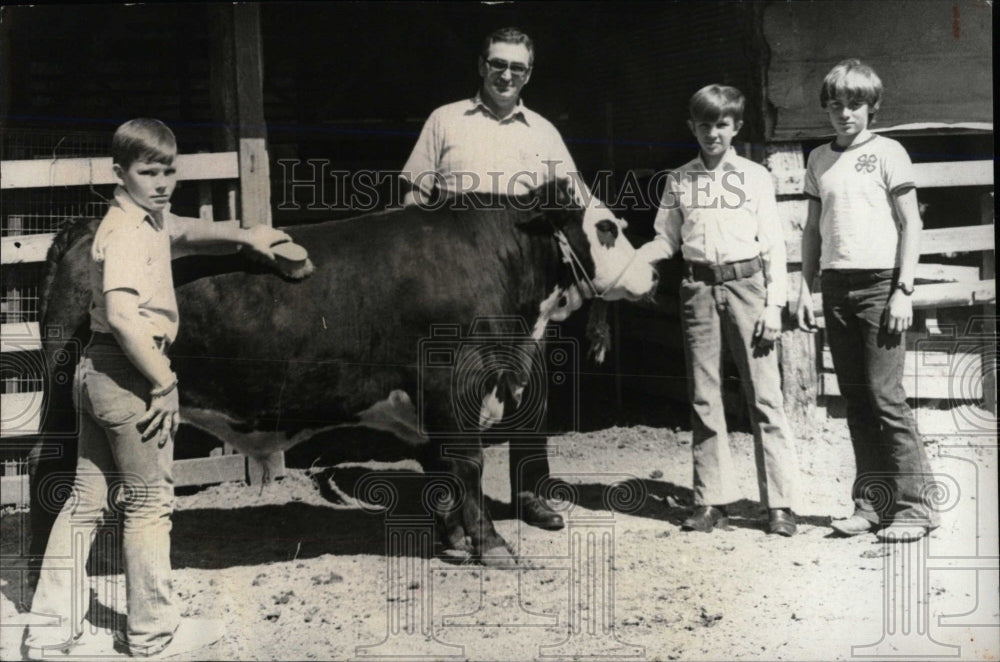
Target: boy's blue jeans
x=893, y=474
x=112, y=395
x=730, y=310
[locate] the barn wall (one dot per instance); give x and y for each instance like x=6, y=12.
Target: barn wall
x=935, y=59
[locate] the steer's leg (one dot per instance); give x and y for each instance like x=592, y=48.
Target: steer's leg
x=466, y=458
x=448, y=513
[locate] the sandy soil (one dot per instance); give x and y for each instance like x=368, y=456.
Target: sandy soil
x=300, y=570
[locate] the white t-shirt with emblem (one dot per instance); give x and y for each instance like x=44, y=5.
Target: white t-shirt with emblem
x=858, y=226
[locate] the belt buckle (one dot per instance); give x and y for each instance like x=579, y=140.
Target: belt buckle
x=727, y=272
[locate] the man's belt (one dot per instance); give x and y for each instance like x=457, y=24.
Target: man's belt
x=714, y=274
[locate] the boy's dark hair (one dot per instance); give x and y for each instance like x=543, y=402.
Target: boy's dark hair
x=854, y=80
x=143, y=139
x=509, y=36
x=713, y=102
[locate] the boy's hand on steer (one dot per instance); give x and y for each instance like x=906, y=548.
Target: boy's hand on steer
x=261, y=238
x=162, y=418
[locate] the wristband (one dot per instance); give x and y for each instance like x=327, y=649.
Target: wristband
x=904, y=288
x=159, y=393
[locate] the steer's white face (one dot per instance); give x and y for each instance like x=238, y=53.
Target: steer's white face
x=618, y=273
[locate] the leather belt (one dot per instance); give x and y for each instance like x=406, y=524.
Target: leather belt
x=714, y=274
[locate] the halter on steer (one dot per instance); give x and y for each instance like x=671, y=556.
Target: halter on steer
x=580, y=274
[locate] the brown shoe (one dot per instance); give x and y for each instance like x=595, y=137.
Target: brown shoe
x=782, y=522
x=706, y=518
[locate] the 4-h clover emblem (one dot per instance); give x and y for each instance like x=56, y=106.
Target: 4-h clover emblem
x=866, y=163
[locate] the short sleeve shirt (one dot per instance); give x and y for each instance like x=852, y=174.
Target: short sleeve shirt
x=465, y=148
x=131, y=251
x=859, y=227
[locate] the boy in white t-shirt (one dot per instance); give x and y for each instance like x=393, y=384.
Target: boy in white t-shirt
x=863, y=232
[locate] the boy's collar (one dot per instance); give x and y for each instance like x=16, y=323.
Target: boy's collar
x=858, y=143
x=128, y=205
x=725, y=163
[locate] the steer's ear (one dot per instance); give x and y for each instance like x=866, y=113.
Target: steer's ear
x=549, y=207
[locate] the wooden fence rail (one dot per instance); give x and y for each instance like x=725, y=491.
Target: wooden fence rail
x=20, y=415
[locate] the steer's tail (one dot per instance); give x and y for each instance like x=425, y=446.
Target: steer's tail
x=64, y=304
x=67, y=237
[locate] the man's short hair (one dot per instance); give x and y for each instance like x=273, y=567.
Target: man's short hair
x=143, y=139
x=854, y=80
x=713, y=102
x=509, y=36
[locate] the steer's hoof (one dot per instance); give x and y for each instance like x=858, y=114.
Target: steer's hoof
x=499, y=557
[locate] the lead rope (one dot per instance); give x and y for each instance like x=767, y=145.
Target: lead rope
x=580, y=274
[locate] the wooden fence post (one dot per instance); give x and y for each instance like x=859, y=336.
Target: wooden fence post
x=797, y=351
x=988, y=272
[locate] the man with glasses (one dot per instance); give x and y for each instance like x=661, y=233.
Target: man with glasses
x=493, y=144
x=490, y=143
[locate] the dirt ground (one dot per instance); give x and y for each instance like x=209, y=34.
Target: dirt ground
x=311, y=567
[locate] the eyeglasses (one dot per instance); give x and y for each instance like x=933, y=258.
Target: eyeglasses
x=499, y=66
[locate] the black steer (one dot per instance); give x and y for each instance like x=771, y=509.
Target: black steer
x=266, y=362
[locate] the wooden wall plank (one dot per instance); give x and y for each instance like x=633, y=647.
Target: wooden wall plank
x=21, y=413
x=965, y=239
x=932, y=295
x=917, y=388
x=255, y=180
x=926, y=175
x=14, y=491
x=207, y=470
x=20, y=337
x=989, y=367
x=25, y=249
x=42, y=173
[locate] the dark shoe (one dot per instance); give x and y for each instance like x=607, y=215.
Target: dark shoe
x=536, y=512
x=855, y=525
x=782, y=522
x=706, y=518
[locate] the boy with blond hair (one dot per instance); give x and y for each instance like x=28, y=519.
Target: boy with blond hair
x=863, y=232
x=127, y=396
x=720, y=211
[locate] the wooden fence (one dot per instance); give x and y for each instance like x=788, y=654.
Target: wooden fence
x=937, y=286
